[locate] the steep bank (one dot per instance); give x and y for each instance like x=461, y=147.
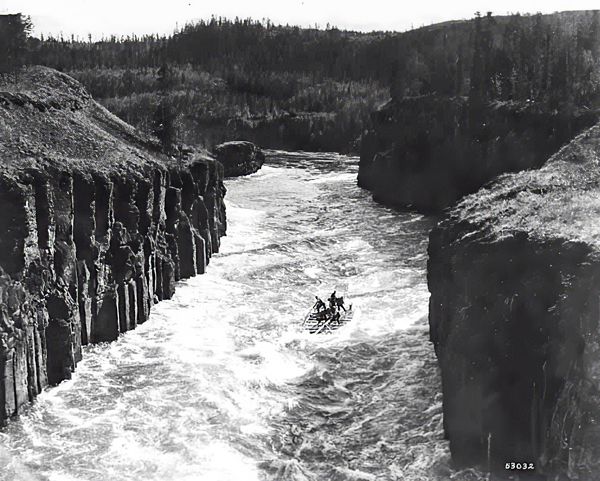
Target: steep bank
x=95, y=227
x=514, y=276
x=478, y=98
x=428, y=152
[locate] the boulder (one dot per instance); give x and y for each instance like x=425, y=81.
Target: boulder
x=239, y=158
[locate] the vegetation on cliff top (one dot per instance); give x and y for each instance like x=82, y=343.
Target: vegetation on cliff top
x=560, y=200
x=475, y=100
x=47, y=116
x=281, y=87
x=296, y=88
x=315, y=89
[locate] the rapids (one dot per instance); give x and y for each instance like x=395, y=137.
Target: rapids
x=221, y=384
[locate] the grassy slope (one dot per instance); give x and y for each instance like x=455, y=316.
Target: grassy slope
x=560, y=200
x=47, y=117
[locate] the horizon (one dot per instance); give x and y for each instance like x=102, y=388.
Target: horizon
x=121, y=18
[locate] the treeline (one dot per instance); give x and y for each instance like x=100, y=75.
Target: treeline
x=535, y=58
x=283, y=87
x=274, y=110
x=291, y=87
x=219, y=45
x=516, y=57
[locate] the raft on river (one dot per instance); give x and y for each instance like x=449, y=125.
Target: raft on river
x=326, y=320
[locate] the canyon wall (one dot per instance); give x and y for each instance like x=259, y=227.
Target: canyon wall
x=427, y=152
x=514, y=276
x=96, y=225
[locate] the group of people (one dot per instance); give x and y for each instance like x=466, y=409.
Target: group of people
x=335, y=305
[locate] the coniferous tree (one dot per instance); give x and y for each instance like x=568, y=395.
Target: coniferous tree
x=165, y=126
x=166, y=118
x=14, y=31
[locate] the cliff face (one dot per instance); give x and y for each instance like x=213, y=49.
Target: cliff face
x=95, y=227
x=514, y=276
x=239, y=158
x=428, y=152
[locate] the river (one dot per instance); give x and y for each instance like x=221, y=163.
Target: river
x=221, y=383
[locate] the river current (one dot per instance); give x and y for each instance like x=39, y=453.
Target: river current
x=222, y=384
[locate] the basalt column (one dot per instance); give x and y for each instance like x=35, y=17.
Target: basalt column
x=96, y=225
x=85, y=255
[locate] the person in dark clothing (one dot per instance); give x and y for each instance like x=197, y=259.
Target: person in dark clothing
x=332, y=301
x=340, y=303
x=319, y=305
x=336, y=318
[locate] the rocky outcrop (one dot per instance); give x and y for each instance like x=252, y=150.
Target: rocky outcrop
x=514, y=276
x=427, y=152
x=95, y=227
x=239, y=158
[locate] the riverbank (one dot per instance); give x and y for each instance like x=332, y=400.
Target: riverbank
x=96, y=226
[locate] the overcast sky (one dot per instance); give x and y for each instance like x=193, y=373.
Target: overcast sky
x=123, y=17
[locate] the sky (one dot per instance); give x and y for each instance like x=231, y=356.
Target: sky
x=124, y=17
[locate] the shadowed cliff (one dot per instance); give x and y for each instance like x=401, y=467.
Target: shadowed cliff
x=95, y=226
x=514, y=276
x=426, y=153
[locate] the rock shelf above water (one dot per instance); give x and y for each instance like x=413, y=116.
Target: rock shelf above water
x=239, y=158
x=514, y=276
x=95, y=226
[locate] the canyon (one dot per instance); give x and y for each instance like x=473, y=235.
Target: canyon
x=97, y=225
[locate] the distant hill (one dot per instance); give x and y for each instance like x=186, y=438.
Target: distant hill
x=296, y=88
x=280, y=87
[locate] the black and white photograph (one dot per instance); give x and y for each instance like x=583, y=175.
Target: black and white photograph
x=299, y=240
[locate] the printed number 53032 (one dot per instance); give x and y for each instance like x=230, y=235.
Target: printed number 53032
x=519, y=466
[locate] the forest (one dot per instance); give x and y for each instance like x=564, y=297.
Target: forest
x=317, y=89
x=282, y=87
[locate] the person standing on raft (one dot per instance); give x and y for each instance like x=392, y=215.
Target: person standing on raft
x=332, y=301
x=319, y=305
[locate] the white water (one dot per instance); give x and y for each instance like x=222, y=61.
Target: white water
x=221, y=384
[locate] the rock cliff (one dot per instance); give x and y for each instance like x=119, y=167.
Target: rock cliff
x=95, y=226
x=514, y=276
x=239, y=158
x=427, y=152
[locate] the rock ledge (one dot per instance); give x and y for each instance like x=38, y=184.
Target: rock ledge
x=239, y=158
